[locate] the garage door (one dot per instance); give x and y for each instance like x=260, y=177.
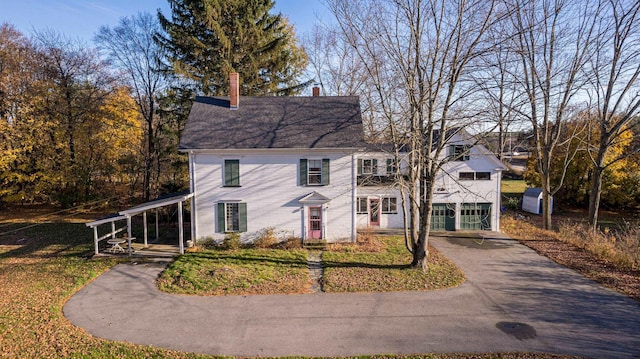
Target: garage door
x=475, y=216
x=443, y=217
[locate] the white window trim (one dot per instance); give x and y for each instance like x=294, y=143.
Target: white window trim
x=366, y=205
x=309, y=160
x=475, y=176
x=226, y=216
x=370, y=172
x=388, y=209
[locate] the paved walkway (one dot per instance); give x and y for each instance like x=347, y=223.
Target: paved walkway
x=315, y=270
x=513, y=300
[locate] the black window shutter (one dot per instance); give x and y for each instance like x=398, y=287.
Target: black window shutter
x=242, y=209
x=359, y=166
x=221, y=218
x=325, y=171
x=303, y=172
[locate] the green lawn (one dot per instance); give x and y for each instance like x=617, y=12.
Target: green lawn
x=352, y=270
x=241, y=271
x=513, y=187
x=41, y=267
x=512, y=191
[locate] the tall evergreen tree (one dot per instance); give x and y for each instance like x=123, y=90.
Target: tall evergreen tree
x=207, y=39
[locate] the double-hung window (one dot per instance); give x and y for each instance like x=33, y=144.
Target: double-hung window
x=232, y=217
x=467, y=176
x=389, y=205
x=314, y=172
x=367, y=166
x=392, y=166
x=232, y=173
x=362, y=205
x=459, y=152
x=478, y=176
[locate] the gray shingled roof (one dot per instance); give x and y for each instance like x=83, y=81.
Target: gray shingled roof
x=274, y=122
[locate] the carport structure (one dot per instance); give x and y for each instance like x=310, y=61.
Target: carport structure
x=128, y=214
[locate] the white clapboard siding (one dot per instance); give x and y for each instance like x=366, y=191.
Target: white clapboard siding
x=269, y=187
x=449, y=188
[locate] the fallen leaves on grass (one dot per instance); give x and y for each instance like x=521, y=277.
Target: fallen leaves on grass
x=387, y=271
x=36, y=282
x=238, y=272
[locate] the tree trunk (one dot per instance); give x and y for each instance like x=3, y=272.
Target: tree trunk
x=594, y=197
x=150, y=152
x=546, y=201
x=421, y=250
x=420, y=254
x=596, y=187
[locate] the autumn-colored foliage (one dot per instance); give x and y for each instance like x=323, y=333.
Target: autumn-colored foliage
x=621, y=183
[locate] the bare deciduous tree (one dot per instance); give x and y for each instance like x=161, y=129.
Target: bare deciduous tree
x=417, y=55
x=554, y=39
x=130, y=46
x=339, y=71
x=614, y=71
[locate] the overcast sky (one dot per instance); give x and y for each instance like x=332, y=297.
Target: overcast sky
x=82, y=18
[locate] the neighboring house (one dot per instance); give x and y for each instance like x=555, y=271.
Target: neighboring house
x=300, y=165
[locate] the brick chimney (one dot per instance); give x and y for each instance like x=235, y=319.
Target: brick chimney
x=234, y=90
x=316, y=91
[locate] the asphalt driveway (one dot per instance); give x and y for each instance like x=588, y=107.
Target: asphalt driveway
x=513, y=300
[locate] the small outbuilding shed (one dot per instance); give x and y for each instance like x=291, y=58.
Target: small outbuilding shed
x=532, y=201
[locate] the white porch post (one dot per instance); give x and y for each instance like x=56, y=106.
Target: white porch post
x=144, y=220
x=304, y=223
x=180, y=229
x=95, y=238
x=497, y=211
x=354, y=197
x=129, y=232
x=192, y=188
x=157, y=230
x=324, y=221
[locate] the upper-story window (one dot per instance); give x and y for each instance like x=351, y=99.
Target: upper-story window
x=231, y=173
x=367, y=166
x=467, y=176
x=459, y=152
x=471, y=176
x=314, y=172
x=392, y=166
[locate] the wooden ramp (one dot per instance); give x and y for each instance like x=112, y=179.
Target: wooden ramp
x=155, y=250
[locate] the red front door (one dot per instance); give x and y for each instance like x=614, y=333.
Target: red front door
x=315, y=222
x=374, y=212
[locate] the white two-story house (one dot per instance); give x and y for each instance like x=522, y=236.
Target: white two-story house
x=300, y=165
x=467, y=193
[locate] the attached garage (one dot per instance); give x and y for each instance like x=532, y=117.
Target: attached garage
x=443, y=217
x=475, y=216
